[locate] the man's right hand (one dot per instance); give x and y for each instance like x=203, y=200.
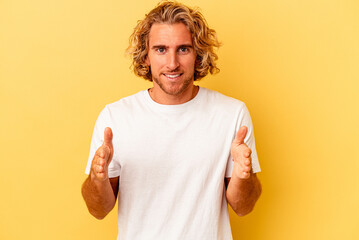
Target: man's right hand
x=102, y=158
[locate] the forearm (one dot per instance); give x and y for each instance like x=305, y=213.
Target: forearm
x=99, y=196
x=242, y=194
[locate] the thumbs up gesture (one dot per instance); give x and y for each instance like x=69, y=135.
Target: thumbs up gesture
x=103, y=157
x=241, y=155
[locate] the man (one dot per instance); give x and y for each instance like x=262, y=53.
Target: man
x=174, y=154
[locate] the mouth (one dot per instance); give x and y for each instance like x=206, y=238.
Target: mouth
x=173, y=76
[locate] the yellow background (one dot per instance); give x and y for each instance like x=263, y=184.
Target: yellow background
x=295, y=64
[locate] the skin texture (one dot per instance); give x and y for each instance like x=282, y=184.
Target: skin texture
x=171, y=53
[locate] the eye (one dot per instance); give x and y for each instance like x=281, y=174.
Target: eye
x=183, y=49
x=160, y=50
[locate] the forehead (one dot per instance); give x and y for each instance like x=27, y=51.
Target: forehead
x=169, y=34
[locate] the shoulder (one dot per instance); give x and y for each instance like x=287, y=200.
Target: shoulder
x=217, y=99
x=126, y=104
x=126, y=101
x=123, y=107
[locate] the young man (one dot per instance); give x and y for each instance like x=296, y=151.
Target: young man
x=174, y=154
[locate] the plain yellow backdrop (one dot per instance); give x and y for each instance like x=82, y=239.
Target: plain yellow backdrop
x=294, y=63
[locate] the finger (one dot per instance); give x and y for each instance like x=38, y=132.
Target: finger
x=242, y=161
x=247, y=152
x=107, y=151
x=97, y=161
x=241, y=134
x=96, y=169
x=101, y=162
x=242, y=166
x=108, y=136
x=102, y=152
x=99, y=169
x=245, y=175
x=246, y=167
x=248, y=162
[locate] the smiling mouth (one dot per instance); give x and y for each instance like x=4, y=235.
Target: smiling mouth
x=173, y=76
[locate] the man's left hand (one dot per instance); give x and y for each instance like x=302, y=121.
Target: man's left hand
x=241, y=155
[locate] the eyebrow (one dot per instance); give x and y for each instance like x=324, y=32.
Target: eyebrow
x=164, y=46
x=158, y=46
x=186, y=45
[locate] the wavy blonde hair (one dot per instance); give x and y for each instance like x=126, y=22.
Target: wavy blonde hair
x=170, y=12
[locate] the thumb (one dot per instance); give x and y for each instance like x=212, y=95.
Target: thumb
x=108, y=136
x=241, y=134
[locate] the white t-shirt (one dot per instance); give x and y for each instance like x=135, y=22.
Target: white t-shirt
x=172, y=161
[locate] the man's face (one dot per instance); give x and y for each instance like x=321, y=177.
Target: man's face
x=171, y=57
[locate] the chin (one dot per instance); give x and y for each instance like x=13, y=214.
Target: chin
x=173, y=89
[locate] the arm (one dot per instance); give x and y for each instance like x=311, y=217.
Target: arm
x=242, y=194
x=243, y=188
x=99, y=191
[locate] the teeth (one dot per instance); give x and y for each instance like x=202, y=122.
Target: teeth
x=172, y=76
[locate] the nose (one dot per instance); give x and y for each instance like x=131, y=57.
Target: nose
x=172, y=61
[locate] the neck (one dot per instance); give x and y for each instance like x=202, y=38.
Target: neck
x=160, y=97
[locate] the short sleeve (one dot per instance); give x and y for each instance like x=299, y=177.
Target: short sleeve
x=244, y=119
x=104, y=120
